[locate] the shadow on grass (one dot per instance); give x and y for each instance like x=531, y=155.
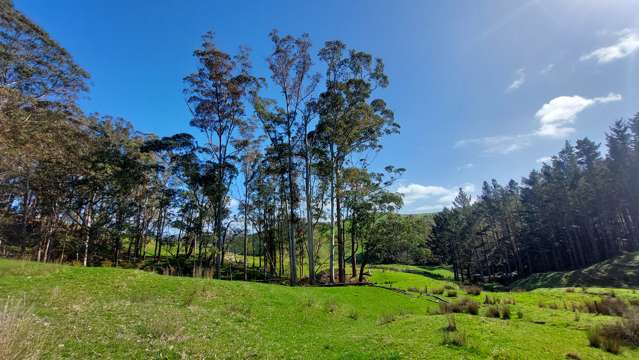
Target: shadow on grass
x=618, y=272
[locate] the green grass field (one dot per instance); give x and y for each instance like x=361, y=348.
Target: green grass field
x=73, y=312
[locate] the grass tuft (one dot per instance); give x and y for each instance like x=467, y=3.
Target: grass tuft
x=492, y=311
x=386, y=319
x=472, y=290
x=19, y=338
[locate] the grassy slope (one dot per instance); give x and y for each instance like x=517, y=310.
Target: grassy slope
x=115, y=313
x=620, y=272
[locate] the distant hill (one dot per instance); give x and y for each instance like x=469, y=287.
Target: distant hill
x=618, y=272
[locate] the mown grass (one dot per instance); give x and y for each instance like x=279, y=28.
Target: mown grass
x=129, y=314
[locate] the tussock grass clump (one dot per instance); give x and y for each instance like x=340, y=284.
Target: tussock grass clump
x=457, y=338
x=188, y=298
x=508, y=301
x=449, y=287
x=353, y=314
x=573, y=356
x=492, y=311
x=331, y=306
x=413, y=289
x=452, y=335
x=490, y=300
x=438, y=291
x=472, y=290
x=608, y=306
x=465, y=305
x=452, y=324
x=386, y=319
x=520, y=314
x=19, y=335
x=570, y=290
x=505, y=312
x=611, y=337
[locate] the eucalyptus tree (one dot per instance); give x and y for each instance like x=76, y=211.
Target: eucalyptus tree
x=372, y=206
x=350, y=119
x=290, y=65
x=34, y=65
x=216, y=96
x=250, y=159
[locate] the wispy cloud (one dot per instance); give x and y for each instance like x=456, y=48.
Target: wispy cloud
x=519, y=80
x=429, y=198
x=626, y=44
x=558, y=114
x=501, y=144
x=556, y=119
x=548, y=68
x=466, y=166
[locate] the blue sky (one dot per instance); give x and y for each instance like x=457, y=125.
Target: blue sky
x=482, y=89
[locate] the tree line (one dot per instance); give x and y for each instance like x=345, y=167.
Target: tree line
x=89, y=188
x=581, y=207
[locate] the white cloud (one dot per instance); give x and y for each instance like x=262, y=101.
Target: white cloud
x=555, y=119
x=543, y=159
x=519, y=81
x=466, y=166
x=627, y=43
x=547, y=69
x=429, y=198
x=234, y=204
x=502, y=144
x=556, y=115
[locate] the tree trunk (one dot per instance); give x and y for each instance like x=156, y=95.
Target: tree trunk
x=245, y=231
x=332, y=247
x=291, y=236
x=309, y=213
x=340, y=232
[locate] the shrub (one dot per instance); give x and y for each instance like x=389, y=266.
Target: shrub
x=505, y=312
x=492, y=312
x=451, y=293
x=472, y=290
